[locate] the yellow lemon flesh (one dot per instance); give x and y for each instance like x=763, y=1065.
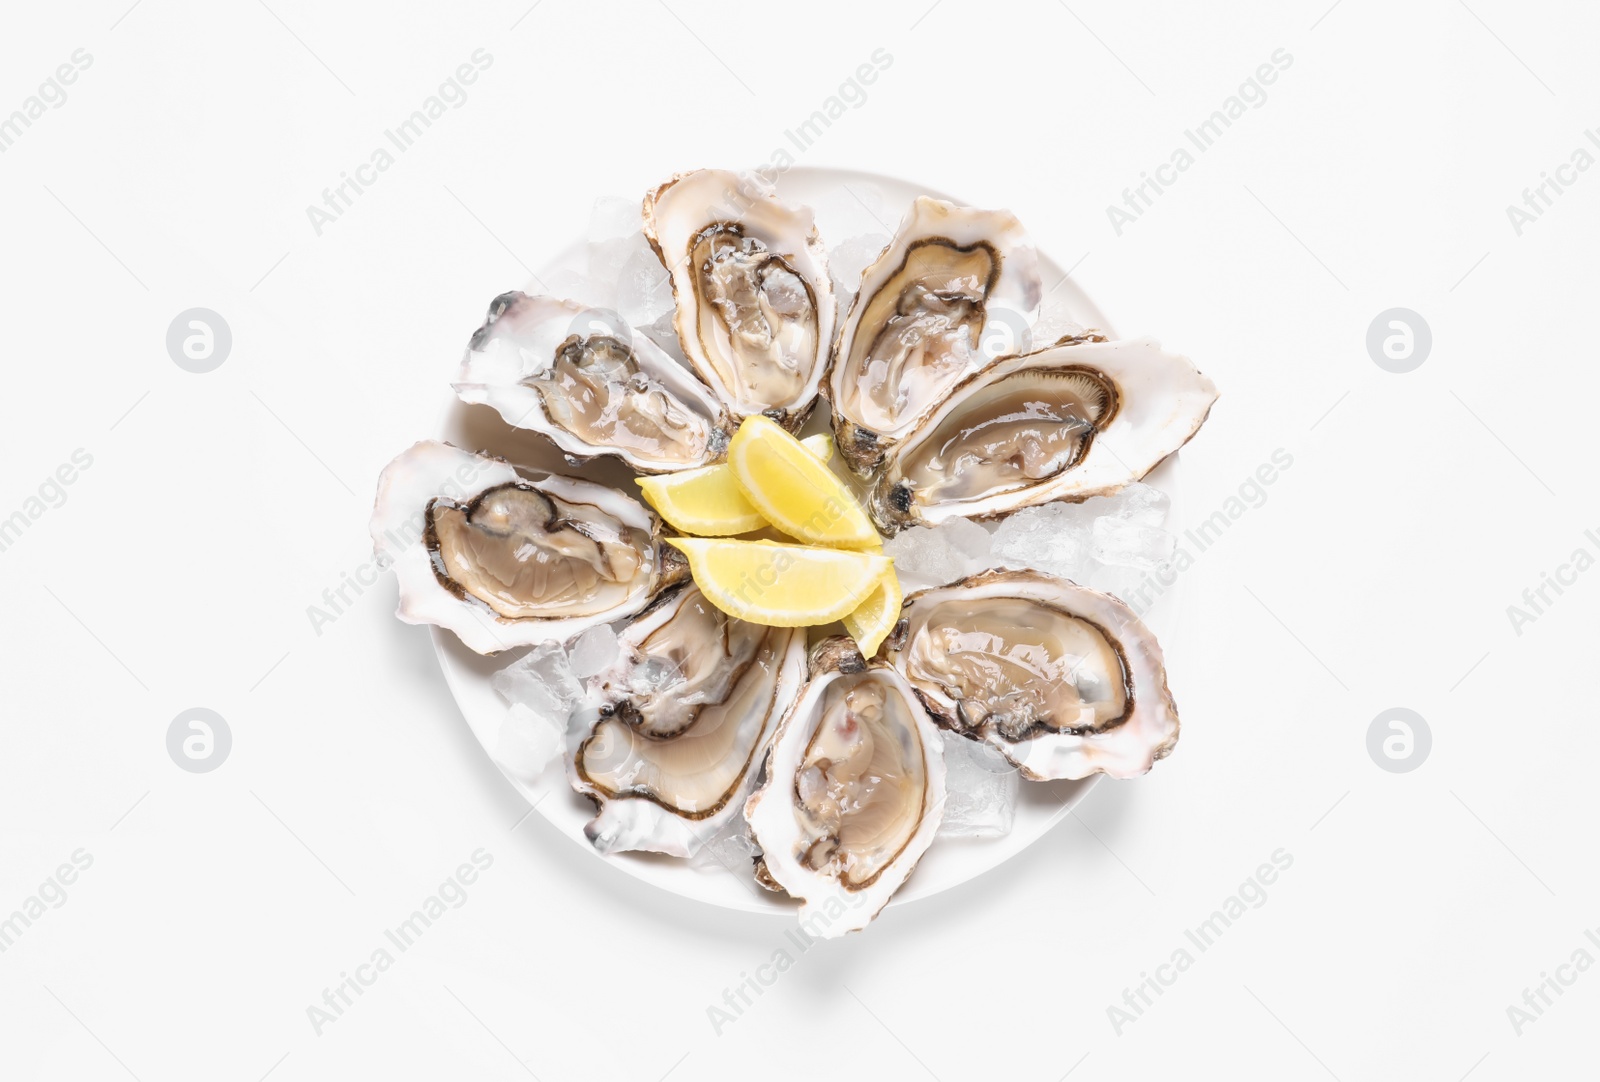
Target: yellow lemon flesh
x=708, y=501
x=795, y=492
x=870, y=624
x=782, y=585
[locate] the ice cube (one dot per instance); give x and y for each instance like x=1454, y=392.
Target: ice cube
x=607, y=258
x=542, y=681
x=664, y=333
x=614, y=238
x=527, y=742
x=1138, y=502
x=732, y=850
x=847, y=261
x=980, y=790
x=1055, y=320
x=572, y=285
x=923, y=557
x=1052, y=537
x=1124, y=542
x=644, y=289
x=933, y=556
x=593, y=651
x=613, y=217
x=970, y=539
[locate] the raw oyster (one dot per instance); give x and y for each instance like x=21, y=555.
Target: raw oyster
x=951, y=278
x=670, y=736
x=505, y=559
x=755, y=306
x=1065, y=681
x=1081, y=418
x=852, y=792
x=583, y=378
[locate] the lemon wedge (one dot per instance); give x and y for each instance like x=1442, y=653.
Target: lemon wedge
x=782, y=585
x=871, y=623
x=708, y=501
x=794, y=491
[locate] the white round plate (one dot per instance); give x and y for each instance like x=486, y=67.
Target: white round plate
x=847, y=203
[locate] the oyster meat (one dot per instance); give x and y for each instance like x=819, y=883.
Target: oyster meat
x=1081, y=418
x=755, y=306
x=583, y=378
x=952, y=279
x=1065, y=681
x=505, y=559
x=671, y=735
x=852, y=792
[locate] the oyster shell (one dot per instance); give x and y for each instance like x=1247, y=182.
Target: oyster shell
x=504, y=559
x=1081, y=418
x=670, y=736
x=951, y=277
x=1065, y=681
x=582, y=377
x=852, y=792
x=755, y=306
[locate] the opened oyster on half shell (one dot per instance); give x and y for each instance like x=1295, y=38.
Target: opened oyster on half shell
x=1082, y=418
x=1063, y=680
x=852, y=792
x=950, y=277
x=755, y=306
x=506, y=559
x=669, y=737
x=583, y=378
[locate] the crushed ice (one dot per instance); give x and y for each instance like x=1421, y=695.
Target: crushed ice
x=1055, y=321
x=541, y=691
x=1104, y=542
x=934, y=555
x=644, y=289
x=1109, y=543
x=526, y=743
x=980, y=790
x=593, y=651
x=848, y=261
x=731, y=850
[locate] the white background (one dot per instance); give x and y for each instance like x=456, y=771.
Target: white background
x=179, y=569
